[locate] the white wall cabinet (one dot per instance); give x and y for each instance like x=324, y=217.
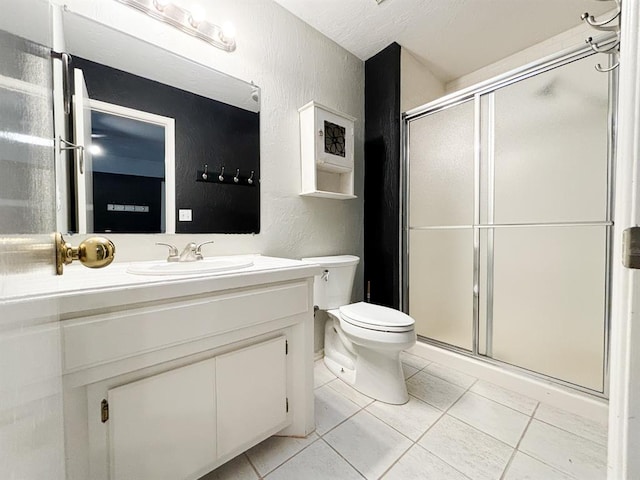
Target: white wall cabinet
x=190, y=381
x=326, y=152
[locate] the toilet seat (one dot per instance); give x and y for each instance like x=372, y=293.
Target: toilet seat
x=376, y=317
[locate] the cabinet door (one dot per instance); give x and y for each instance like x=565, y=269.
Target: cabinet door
x=251, y=386
x=163, y=427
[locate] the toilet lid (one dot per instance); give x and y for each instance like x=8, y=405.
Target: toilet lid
x=376, y=317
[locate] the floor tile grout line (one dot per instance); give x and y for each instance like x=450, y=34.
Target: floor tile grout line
x=344, y=420
x=342, y=457
x=413, y=442
x=285, y=461
x=517, y=447
x=507, y=406
x=572, y=433
x=444, y=412
x=479, y=429
x=555, y=469
x=372, y=400
x=260, y=477
x=543, y=461
x=391, y=426
x=517, y=450
x=393, y=464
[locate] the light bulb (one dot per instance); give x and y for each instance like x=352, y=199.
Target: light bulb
x=228, y=31
x=196, y=16
x=95, y=149
x=160, y=4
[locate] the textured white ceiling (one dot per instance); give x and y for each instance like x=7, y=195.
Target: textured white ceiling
x=450, y=37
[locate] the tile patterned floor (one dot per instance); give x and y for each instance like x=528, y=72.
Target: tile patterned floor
x=454, y=427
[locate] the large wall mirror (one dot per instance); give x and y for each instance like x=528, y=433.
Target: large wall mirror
x=152, y=123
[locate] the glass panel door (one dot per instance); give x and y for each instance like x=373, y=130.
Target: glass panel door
x=441, y=279
x=549, y=301
x=508, y=255
x=550, y=149
x=441, y=218
x=31, y=426
x=546, y=282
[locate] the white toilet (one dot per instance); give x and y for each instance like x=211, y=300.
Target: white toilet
x=362, y=341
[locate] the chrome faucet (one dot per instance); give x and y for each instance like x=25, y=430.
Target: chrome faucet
x=173, y=252
x=191, y=252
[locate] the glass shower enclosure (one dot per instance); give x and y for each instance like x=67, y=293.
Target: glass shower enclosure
x=507, y=220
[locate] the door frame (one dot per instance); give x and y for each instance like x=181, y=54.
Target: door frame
x=169, y=125
x=624, y=404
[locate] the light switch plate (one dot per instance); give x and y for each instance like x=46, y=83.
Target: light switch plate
x=184, y=215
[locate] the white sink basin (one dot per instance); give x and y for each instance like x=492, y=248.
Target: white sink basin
x=208, y=265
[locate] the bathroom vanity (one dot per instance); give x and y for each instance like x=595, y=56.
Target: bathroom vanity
x=168, y=377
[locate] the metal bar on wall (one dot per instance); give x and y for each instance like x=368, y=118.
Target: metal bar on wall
x=611, y=156
x=491, y=170
x=477, y=132
x=404, y=217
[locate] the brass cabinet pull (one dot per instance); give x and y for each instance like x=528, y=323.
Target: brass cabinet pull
x=93, y=252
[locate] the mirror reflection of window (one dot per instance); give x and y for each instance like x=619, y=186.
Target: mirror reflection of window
x=128, y=174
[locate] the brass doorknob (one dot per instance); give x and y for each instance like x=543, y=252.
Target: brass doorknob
x=93, y=252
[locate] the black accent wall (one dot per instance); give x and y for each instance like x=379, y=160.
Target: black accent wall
x=126, y=191
x=207, y=131
x=382, y=177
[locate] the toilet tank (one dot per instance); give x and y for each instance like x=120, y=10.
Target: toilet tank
x=332, y=289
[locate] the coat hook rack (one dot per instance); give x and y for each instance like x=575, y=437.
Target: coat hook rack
x=612, y=25
x=226, y=178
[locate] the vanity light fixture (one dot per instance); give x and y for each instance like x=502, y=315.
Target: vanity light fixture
x=191, y=22
x=96, y=150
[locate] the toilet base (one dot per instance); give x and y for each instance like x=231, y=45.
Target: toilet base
x=376, y=374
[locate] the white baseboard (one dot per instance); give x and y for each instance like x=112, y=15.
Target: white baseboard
x=543, y=391
x=318, y=355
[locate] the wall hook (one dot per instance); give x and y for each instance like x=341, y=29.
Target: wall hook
x=221, y=176
x=250, y=179
x=205, y=174
x=602, y=69
x=598, y=49
x=611, y=24
x=602, y=26
x=236, y=179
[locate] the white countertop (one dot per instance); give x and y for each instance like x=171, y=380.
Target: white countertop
x=86, y=289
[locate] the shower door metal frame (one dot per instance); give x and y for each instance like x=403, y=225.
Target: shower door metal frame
x=475, y=93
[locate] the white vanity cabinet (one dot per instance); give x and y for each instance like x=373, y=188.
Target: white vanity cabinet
x=173, y=424
x=170, y=387
x=164, y=427
x=251, y=390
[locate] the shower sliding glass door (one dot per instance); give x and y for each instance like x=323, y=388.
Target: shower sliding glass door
x=509, y=218
x=441, y=218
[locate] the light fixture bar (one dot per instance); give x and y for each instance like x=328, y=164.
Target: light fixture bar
x=185, y=21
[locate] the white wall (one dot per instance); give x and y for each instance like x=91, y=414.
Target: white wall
x=417, y=84
x=293, y=64
x=570, y=38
